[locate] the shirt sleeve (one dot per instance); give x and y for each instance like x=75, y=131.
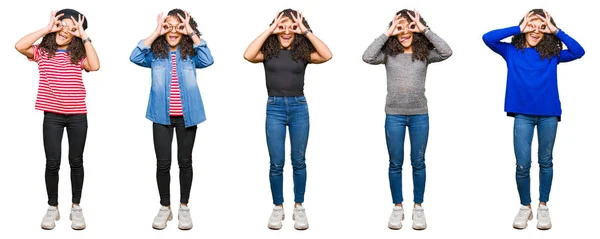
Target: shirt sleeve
x=36, y=53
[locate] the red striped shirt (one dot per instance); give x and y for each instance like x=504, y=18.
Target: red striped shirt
x=175, y=96
x=61, y=88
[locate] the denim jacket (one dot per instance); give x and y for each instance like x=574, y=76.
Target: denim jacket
x=191, y=101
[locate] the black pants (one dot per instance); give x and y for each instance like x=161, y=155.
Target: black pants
x=163, y=137
x=53, y=128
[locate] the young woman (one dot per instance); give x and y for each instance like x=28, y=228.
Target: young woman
x=285, y=48
x=173, y=52
x=406, y=48
x=532, y=99
x=65, y=50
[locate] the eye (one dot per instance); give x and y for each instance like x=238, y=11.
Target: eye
x=412, y=26
x=294, y=27
x=280, y=27
x=181, y=27
x=543, y=27
x=166, y=27
x=400, y=28
x=73, y=29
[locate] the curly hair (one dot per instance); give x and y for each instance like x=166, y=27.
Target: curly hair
x=421, y=46
x=75, y=50
x=549, y=46
x=301, y=47
x=160, y=48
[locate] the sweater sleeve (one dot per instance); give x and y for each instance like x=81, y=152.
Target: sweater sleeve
x=441, y=49
x=493, y=39
x=373, y=55
x=573, y=51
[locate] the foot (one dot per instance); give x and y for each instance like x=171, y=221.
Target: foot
x=299, y=217
x=543, y=216
x=276, y=218
x=164, y=215
x=50, y=217
x=76, y=217
x=522, y=217
x=395, y=222
x=418, y=217
x=185, y=219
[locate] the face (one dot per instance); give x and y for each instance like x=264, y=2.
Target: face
x=532, y=39
x=286, y=37
x=405, y=36
x=173, y=37
x=65, y=36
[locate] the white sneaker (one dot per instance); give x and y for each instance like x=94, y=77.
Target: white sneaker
x=418, y=217
x=164, y=215
x=543, y=216
x=76, y=217
x=525, y=214
x=276, y=218
x=395, y=222
x=299, y=217
x=185, y=219
x=49, y=218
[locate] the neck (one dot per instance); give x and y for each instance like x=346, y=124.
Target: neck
x=174, y=48
x=62, y=47
x=408, y=49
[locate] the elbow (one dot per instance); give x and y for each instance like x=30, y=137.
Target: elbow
x=249, y=58
x=95, y=68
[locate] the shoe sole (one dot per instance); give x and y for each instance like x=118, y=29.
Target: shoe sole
x=419, y=228
x=544, y=228
x=296, y=227
x=50, y=228
x=529, y=218
x=185, y=228
x=277, y=227
x=161, y=228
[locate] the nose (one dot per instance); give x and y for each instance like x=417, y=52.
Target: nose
x=287, y=30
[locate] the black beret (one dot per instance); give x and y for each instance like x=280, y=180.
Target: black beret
x=72, y=13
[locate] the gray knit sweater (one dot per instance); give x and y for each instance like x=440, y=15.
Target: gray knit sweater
x=406, y=78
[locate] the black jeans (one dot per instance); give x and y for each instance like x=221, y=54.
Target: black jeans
x=163, y=138
x=53, y=128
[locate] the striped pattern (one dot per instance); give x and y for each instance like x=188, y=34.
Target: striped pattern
x=175, y=96
x=61, y=88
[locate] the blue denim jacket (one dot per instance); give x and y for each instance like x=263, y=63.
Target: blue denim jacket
x=191, y=101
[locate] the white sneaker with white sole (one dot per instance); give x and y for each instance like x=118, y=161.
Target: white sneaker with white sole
x=418, y=217
x=76, y=217
x=543, y=217
x=276, y=218
x=299, y=217
x=185, y=218
x=50, y=217
x=395, y=222
x=164, y=215
x=525, y=214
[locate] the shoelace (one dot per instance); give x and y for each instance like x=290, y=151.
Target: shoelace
x=185, y=213
x=419, y=213
x=523, y=213
x=49, y=215
x=163, y=213
x=544, y=213
x=299, y=213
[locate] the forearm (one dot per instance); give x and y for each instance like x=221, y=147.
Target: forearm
x=150, y=39
x=93, y=63
x=319, y=45
x=440, y=45
x=254, y=48
x=373, y=54
x=24, y=44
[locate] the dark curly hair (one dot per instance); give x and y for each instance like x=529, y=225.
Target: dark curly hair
x=421, y=46
x=548, y=47
x=160, y=48
x=301, y=47
x=75, y=50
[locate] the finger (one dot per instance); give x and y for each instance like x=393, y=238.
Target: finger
x=180, y=17
x=73, y=19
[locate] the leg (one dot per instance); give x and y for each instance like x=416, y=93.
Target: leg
x=418, y=129
x=163, y=137
x=77, y=132
x=395, y=129
x=53, y=129
x=547, y=127
x=275, y=131
x=185, y=146
x=522, y=136
x=299, y=128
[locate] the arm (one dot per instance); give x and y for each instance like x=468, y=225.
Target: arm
x=442, y=50
x=141, y=55
x=203, y=56
x=25, y=44
x=91, y=61
x=253, y=53
x=373, y=54
x=574, y=50
x=322, y=53
x=493, y=39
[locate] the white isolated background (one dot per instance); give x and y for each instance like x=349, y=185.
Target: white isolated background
x=470, y=191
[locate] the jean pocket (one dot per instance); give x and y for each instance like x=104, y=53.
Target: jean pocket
x=271, y=100
x=301, y=99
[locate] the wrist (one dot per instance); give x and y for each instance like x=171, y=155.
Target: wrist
x=306, y=31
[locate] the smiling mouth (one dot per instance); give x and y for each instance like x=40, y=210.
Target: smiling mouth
x=63, y=36
x=403, y=39
x=535, y=37
x=173, y=38
x=286, y=38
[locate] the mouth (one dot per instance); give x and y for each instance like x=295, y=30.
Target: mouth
x=535, y=36
x=63, y=36
x=173, y=38
x=286, y=38
x=404, y=39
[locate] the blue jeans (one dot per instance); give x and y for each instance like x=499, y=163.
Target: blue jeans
x=523, y=135
x=418, y=131
x=293, y=113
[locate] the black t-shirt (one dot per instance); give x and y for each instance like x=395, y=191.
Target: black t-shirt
x=285, y=77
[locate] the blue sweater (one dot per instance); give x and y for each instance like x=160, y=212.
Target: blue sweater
x=531, y=85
